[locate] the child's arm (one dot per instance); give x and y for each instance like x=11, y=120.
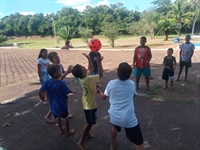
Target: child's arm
x=100, y=67
x=174, y=63
x=101, y=94
x=149, y=56
x=41, y=95
x=69, y=70
x=134, y=58
x=90, y=65
x=39, y=74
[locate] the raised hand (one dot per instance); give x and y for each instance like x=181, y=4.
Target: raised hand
x=86, y=55
x=99, y=59
x=69, y=69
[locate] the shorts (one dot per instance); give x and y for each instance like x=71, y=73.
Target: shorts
x=64, y=116
x=168, y=74
x=94, y=72
x=145, y=71
x=91, y=116
x=186, y=64
x=134, y=134
x=45, y=76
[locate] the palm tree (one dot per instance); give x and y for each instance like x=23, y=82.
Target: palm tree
x=178, y=12
x=196, y=5
x=66, y=34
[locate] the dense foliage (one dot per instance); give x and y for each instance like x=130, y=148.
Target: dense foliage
x=99, y=20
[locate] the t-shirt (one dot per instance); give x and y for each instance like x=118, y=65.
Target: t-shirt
x=142, y=55
x=121, y=95
x=169, y=61
x=44, y=64
x=187, y=50
x=88, y=84
x=57, y=93
x=93, y=57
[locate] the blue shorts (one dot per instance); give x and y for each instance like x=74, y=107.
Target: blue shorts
x=145, y=71
x=91, y=116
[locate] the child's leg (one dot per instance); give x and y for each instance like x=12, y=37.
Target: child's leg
x=69, y=131
x=139, y=147
x=137, y=82
x=166, y=84
x=180, y=71
x=48, y=117
x=147, y=83
x=113, y=137
x=86, y=131
x=172, y=86
x=186, y=72
x=60, y=125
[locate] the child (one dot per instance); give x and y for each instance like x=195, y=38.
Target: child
x=88, y=83
x=57, y=92
x=42, y=64
x=122, y=112
x=141, y=59
x=186, y=53
x=54, y=58
x=93, y=57
x=169, y=64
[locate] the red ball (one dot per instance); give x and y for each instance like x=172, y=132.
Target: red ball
x=95, y=45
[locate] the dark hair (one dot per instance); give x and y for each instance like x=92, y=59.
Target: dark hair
x=143, y=37
x=124, y=71
x=188, y=36
x=170, y=49
x=77, y=71
x=41, y=51
x=52, y=69
x=51, y=55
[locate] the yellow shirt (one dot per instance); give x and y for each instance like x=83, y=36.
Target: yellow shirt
x=88, y=84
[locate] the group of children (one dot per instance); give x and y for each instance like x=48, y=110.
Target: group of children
x=120, y=91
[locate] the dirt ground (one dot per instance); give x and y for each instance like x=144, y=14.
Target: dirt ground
x=170, y=120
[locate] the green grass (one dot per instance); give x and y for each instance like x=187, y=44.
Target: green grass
x=123, y=42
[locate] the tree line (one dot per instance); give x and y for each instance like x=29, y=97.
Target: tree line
x=181, y=16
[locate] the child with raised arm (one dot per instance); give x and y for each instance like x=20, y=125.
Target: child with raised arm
x=88, y=83
x=169, y=64
x=55, y=59
x=57, y=93
x=121, y=94
x=42, y=64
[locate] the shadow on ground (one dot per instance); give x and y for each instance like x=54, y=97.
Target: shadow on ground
x=168, y=120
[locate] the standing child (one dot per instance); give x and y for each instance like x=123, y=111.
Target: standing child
x=93, y=57
x=121, y=94
x=55, y=59
x=186, y=53
x=88, y=83
x=169, y=64
x=141, y=59
x=42, y=64
x=57, y=92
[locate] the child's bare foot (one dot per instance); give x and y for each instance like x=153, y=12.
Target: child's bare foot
x=49, y=119
x=90, y=136
x=112, y=147
x=72, y=131
x=148, y=89
x=61, y=131
x=45, y=102
x=70, y=115
x=81, y=146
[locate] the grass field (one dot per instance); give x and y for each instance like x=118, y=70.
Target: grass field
x=123, y=42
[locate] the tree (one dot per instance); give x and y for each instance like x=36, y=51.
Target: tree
x=179, y=14
x=167, y=26
x=196, y=5
x=3, y=38
x=162, y=6
x=110, y=30
x=66, y=34
x=85, y=34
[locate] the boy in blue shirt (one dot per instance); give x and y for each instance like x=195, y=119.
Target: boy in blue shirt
x=57, y=93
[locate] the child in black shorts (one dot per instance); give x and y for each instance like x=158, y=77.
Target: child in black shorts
x=169, y=64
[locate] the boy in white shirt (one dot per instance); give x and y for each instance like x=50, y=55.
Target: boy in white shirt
x=121, y=93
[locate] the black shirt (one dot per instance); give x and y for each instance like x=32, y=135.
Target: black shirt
x=169, y=61
x=93, y=57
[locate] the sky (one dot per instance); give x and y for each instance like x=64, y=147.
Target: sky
x=26, y=7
